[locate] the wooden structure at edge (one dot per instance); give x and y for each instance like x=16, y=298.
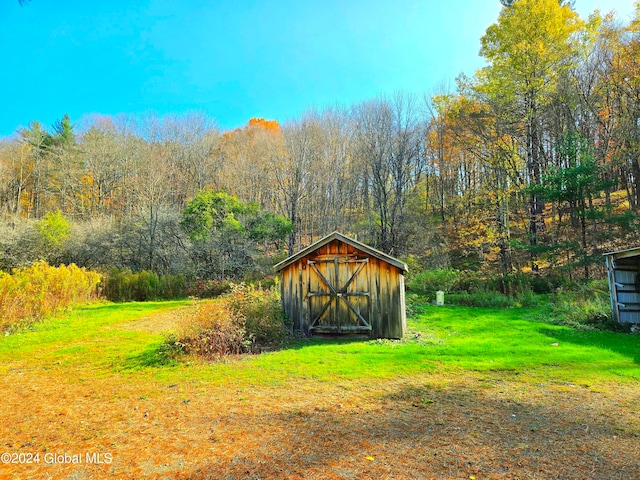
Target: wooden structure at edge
x=623, y=273
x=338, y=285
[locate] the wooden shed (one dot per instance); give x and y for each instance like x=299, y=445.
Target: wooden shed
x=623, y=272
x=339, y=285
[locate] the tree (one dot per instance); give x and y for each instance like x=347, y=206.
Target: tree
x=532, y=44
x=509, y=3
x=65, y=164
x=576, y=183
x=389, y=138
x=481, y=171
x=103, y=172
x=294, y=161
x=225, y=232
x=39, y=142
x=624, y=77
x=250, y=156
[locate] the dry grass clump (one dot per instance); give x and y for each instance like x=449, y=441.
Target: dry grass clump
x=261, y=309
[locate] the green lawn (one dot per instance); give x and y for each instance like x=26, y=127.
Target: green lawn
x=103, y=338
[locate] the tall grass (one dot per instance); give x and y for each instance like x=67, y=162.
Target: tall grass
x=30, y=294
x=583, y=306
x=122, y=285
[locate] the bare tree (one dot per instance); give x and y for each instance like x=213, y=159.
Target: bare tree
x=294, y=165
x=390, y=136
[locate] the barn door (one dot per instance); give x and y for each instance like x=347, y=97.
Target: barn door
x=339, y=295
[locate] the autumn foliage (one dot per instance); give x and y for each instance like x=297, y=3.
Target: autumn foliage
x=244, y=321
x=214, y=331
x=28, y=295
x=270, y=125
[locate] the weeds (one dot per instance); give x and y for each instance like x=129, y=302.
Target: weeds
x=122, y=285
x=214, y=331
x=246, y=320
x=583, y=307
x=28, y=295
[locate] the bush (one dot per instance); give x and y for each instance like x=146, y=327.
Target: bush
x=169, y=350
x=208, y=288
x=30, y=294
x=121, y=285
x=246, y=320
x=214, y=331
x=543, y=284
x=415, y=304
x=262, y=311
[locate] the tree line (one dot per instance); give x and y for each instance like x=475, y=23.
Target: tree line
x=533, y=163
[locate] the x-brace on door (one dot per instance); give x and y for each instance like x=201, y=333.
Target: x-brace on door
x=338, y=295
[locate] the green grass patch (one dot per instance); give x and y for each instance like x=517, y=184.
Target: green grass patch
x=98, y=341
x=86, y=336
x=480, y=339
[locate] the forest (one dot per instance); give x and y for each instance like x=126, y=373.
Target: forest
x=532, y=165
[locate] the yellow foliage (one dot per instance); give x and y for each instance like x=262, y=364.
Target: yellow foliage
x=30, y=294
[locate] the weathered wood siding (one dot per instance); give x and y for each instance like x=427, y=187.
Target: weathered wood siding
x=291, y=294
x=625, y=298
x=339, y=288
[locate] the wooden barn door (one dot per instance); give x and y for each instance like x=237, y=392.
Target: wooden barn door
x=339, y=298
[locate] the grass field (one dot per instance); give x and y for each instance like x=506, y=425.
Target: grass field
x=470, y=393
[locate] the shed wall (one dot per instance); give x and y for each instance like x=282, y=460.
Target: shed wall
x=385, y=303
x=625, y=299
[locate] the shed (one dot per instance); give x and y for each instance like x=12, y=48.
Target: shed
x=339, y=285
x=623, y=273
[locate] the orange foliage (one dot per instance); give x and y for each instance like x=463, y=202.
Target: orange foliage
x=255, y=123
x=270, y=125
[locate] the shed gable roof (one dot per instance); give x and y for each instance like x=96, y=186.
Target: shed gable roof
x=354, y=243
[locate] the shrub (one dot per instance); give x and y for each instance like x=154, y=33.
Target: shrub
x=214, y=331
x=54, y=229
x=30, y=294
x=208, y=288
x=246, y=320
x=415, y=304
x=262, y=311
x=169, y=350
x=542, y=284
x=122, y=285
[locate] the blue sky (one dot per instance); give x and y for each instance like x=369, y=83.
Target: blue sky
x=232, y=60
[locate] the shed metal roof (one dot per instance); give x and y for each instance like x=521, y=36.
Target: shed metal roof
x=626, y=253
x=338, y=236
